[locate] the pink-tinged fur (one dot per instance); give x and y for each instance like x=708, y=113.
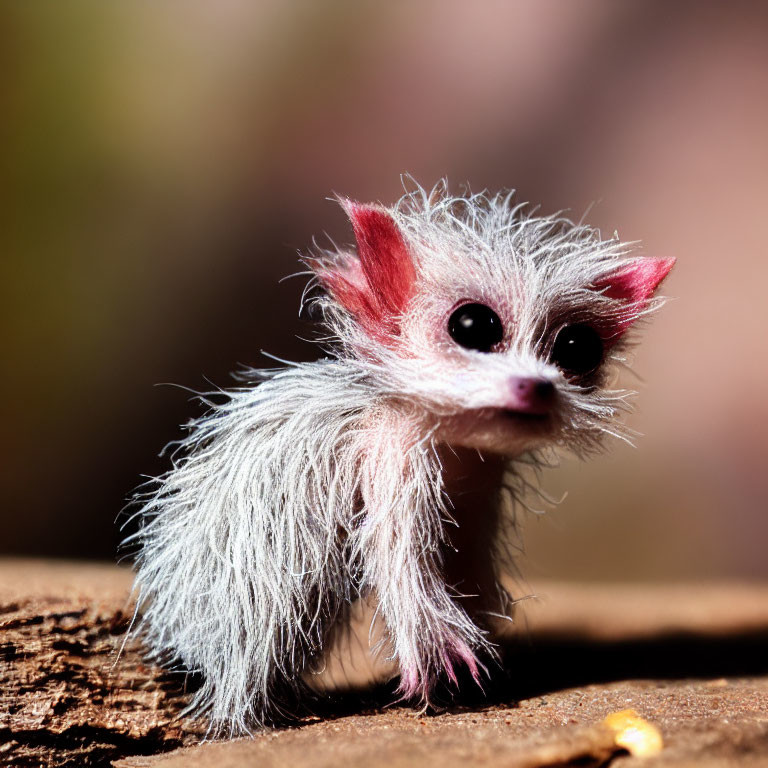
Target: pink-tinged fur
x=410, y=683
x=392, y=470
x=413, y=685
x=462, y=654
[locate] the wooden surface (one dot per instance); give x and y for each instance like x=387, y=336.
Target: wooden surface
x=690, y=659
x=66, y=698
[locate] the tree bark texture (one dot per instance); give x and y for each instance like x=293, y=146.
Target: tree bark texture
x=68, y=694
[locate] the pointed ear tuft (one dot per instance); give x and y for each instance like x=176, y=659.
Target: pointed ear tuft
x=375, y=287
x=635, y=284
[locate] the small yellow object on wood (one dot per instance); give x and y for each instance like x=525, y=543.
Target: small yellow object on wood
x=639, y=737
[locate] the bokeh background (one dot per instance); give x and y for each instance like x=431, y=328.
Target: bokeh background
x=162, y=163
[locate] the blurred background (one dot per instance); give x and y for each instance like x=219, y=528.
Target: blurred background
x=161, y=165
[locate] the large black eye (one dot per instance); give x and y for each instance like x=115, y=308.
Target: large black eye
x=578, y=350
x=475, y=326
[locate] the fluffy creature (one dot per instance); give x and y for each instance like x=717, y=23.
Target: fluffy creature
x=466, y=336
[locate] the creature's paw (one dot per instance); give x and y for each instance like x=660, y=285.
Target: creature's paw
x=460, y=653
x=413, y=684
x=417, y=680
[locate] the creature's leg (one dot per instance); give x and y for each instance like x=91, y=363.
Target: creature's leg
x=399, y=544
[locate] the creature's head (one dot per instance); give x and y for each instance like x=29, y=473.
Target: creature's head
x=495, y=325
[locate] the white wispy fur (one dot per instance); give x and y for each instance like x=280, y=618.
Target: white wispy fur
x=318, y=483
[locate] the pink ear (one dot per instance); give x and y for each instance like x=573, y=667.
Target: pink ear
x=635, y=284
x=377, y=287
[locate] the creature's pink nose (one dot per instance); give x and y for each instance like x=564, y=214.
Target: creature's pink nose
x=532, y=395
